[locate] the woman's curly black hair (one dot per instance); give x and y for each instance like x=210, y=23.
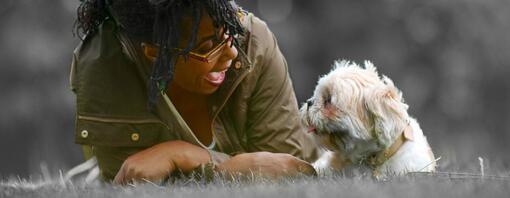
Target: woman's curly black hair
x=157, y=22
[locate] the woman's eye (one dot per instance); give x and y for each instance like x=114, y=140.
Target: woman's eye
x=205, y=47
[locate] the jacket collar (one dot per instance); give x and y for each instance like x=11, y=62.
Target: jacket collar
x=240, y=67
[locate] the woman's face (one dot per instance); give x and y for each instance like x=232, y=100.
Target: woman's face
x=195, y=75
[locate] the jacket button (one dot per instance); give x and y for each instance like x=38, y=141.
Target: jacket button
x=237, y=65
x=84, y=134
x=135, y=136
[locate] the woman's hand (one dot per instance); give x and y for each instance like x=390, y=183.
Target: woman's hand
x=156, y=163
x=266, y=164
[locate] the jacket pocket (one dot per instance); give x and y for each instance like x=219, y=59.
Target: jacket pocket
x=118, y=132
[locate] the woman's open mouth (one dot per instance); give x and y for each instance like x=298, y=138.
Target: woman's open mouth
x=215, y=78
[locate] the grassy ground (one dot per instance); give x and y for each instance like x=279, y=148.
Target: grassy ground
x=437, y=185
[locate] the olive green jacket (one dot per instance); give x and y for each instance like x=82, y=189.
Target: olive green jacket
x=255, y=109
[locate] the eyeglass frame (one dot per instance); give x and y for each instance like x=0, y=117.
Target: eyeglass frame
x=205, y=57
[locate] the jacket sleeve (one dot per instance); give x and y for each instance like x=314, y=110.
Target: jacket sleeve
x=273, y=116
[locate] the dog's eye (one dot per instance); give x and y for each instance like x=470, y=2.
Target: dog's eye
x=327, y=100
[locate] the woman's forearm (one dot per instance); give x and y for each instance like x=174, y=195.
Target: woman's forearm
x=157, y=162
x=188, y=156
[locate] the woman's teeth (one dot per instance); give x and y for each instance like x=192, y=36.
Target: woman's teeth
x=214, y=75
x=215, y=78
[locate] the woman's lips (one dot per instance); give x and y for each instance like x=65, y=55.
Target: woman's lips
x=215, y=78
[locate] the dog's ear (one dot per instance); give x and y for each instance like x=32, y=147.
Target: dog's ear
x=387, y=110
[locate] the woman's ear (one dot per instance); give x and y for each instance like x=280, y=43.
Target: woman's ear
x=150, y=51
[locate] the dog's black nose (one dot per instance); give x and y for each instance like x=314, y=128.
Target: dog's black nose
x=309, y=102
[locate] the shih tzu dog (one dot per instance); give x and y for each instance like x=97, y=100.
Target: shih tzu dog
x=361, y=120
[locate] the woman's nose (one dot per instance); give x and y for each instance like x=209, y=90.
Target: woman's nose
x=229, y=53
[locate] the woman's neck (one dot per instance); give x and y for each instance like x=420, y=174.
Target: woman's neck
x=186, y=101
x=193, y=109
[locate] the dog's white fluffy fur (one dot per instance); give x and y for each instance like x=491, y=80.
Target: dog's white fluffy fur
x=356, y=114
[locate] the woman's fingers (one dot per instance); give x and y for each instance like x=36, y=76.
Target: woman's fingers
x=302, y=166
x=267, y=164
x=292, y=165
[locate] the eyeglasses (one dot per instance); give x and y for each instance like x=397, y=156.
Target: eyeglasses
x=212, y=54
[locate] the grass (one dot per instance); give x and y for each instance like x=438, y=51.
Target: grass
x=443, y=184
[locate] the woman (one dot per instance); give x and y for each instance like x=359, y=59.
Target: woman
x=167, y=85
